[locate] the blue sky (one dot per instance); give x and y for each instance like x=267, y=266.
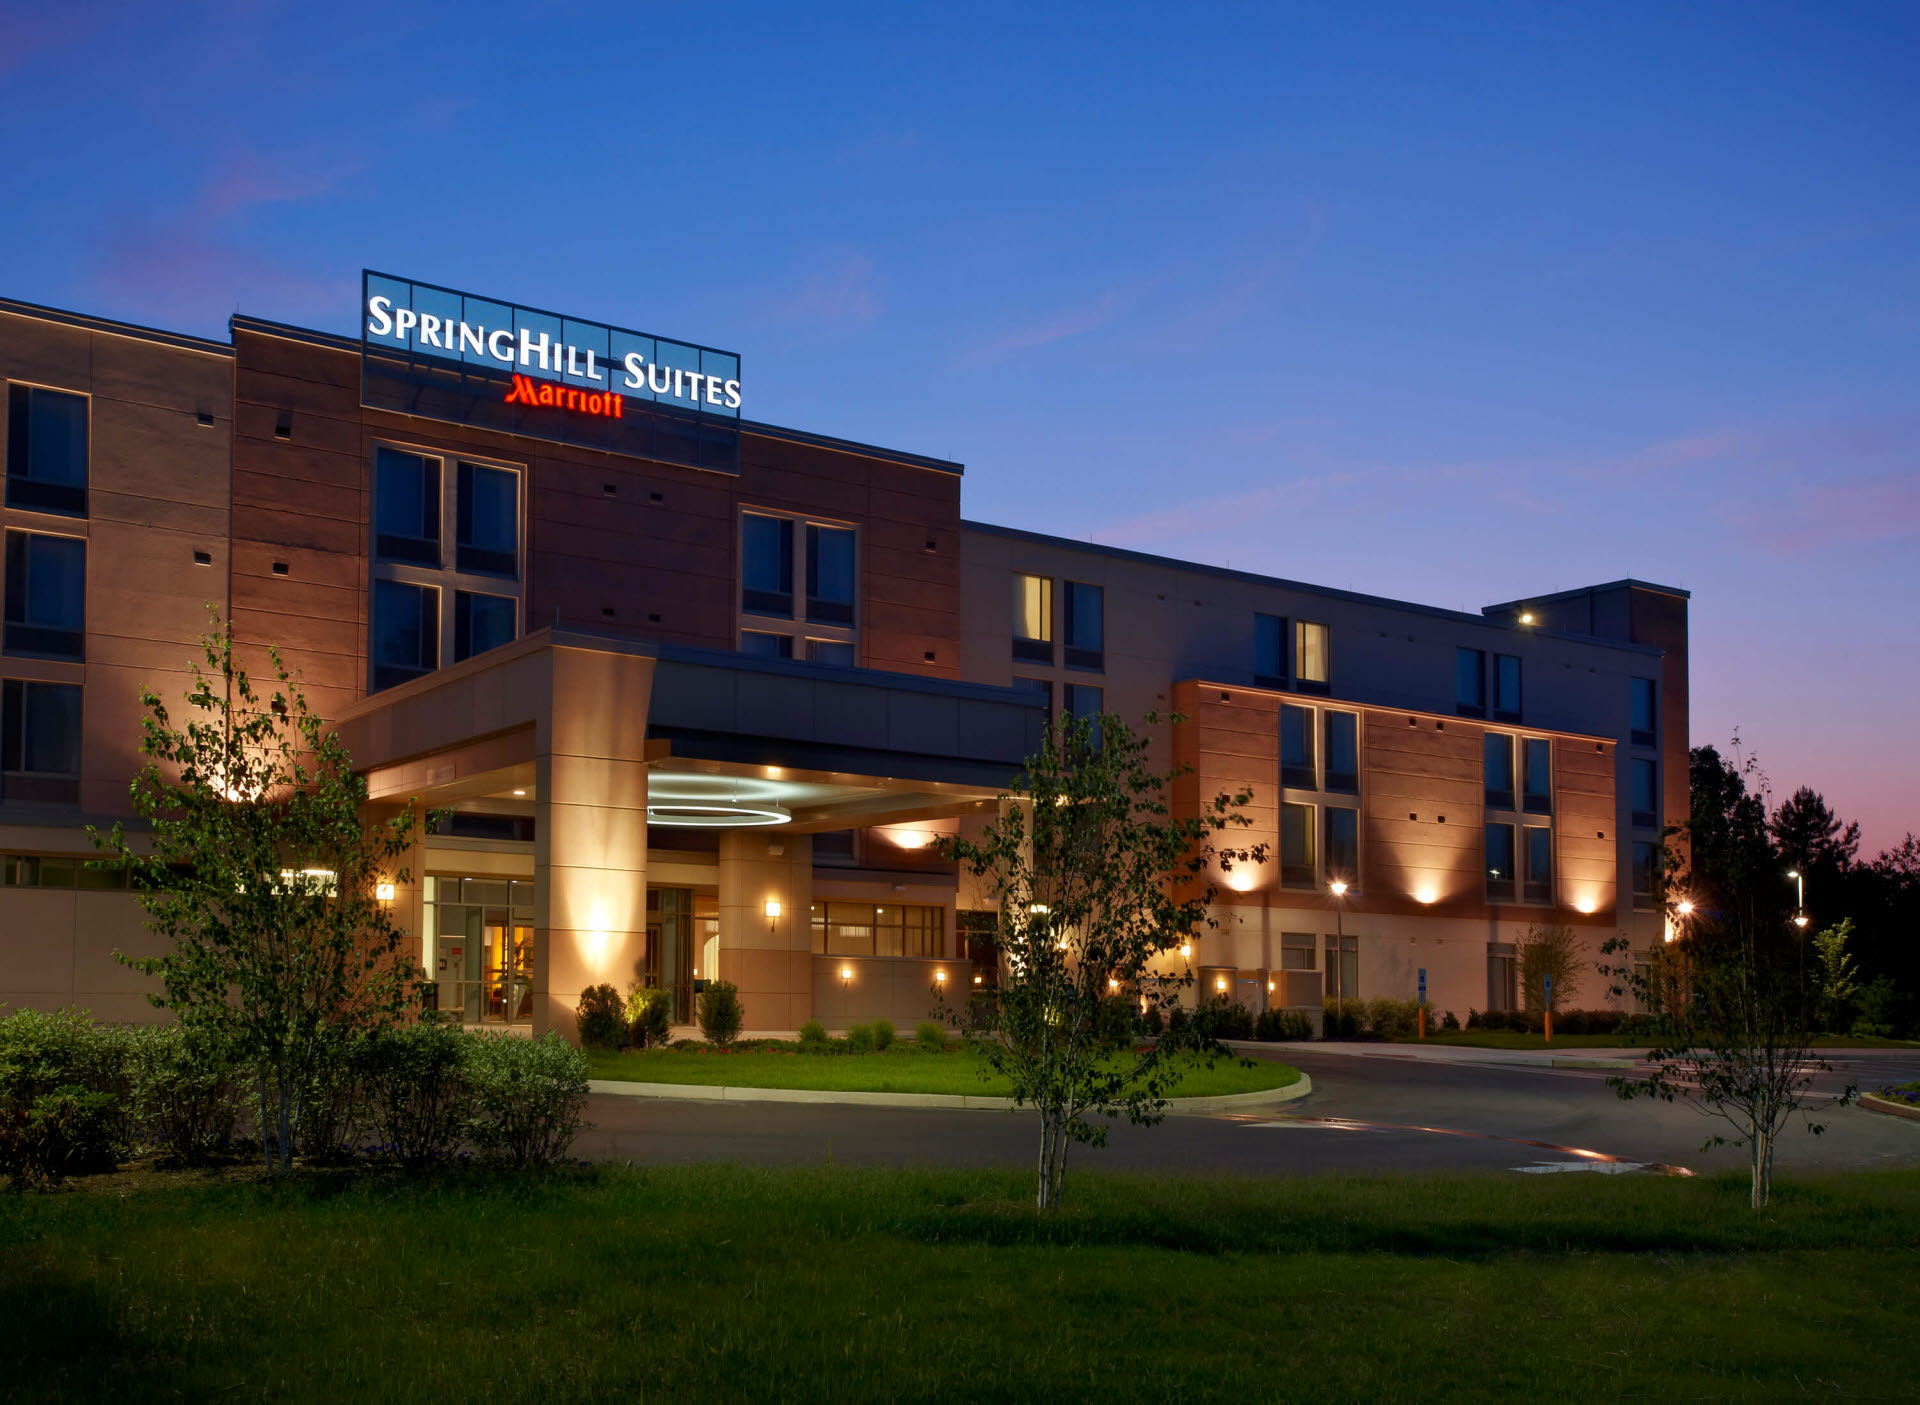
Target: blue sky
x=1455, y=303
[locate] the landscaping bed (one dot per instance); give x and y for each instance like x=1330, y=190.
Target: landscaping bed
x=834, y=1284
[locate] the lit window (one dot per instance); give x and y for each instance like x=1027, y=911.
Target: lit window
x=1033, y=619
x=1470, y=682
x=46, y=596
x=406, y=632
x=1296, y=951
x=1270, y=651
x=46, y=450
x=1310, y=654
x=1086, y=626
x=1500, y=863
x=1296, y=846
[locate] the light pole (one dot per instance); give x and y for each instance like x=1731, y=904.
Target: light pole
x=1339, y=889
x=1800, y=922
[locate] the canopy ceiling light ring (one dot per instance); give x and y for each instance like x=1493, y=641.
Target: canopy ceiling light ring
x=714, y=814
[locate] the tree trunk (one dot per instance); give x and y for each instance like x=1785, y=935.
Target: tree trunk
x=1043, y=1200
x=1762, y=1143
x=266, y=1142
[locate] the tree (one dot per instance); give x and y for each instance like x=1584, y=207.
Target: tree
x=1730, y=982
x=1811, y=838
x=265, y=882
x=1550, y=949
x=1835, y=975
x=1095, y=882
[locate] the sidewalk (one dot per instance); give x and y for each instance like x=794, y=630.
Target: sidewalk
x=1457, y=1054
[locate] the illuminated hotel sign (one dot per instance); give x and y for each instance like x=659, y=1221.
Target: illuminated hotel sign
x=433, y=351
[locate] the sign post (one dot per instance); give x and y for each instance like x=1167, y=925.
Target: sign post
x=1547, y=1017
x=1423, y=1002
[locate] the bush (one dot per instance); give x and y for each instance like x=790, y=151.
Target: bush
x=860, y=1039
x=1152, y=1022
x=720, y=1013
x=601, y=1018
x=927, y=1035
x=649, y=1015
x=187, y=1096
x=1282, y=1024
x=42, y=1052
x=415, y=1082
x=335, y=1109
x=1452, y=1021
x=1226, y=1019
x=882, y=1034
x=528, y=1097
x=1341, y=1019
x=1388, y=1018
x=813, y=1037
x=60, y=1133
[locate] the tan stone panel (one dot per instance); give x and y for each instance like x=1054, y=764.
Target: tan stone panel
x=36, y=943
x=260, y=353
x=593, y=780
x=205, y=526
x=272, y=525
x=294, y=498
x=597, y=835
x=45, y=353
x=135, y=369
x=156, y=453
x=600, y=704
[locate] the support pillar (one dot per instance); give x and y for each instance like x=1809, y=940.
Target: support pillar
x=769, y=959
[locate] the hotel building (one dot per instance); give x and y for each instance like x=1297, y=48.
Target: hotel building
x=700, y=693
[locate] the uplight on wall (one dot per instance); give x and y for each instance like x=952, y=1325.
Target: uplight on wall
x=1428, y=895
x=384, y=892
x=773, y=912
x=939, y=977
x=1186, y=950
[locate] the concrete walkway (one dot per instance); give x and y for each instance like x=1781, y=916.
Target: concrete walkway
x=706, y=1092
x=1455, y=1053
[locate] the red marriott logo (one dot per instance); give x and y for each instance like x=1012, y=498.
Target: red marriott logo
x=527, y=391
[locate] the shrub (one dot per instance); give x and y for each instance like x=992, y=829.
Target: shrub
x=41, y=1052
x=1226, y=1019
x=860, y=1039
x=1452, y=1021
x=187, y=1095
x=720, y=1013
x=601, y=1018
x=1388, y=1018
x=813, y=1037
x=649, y=1015
x=335, y=1111
x=928, y=1035
x=61, y=1133
x=882, y=1034
x=1282, y=1024
x=1152, y=1021
x=1341, y=1019
x=415, y=1082
x=528, y=1096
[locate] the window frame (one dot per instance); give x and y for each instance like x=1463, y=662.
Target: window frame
x=1502, y=891
x=30, y=631
x=1029, y=648
x=1514, y=713
x=1301, y=683
x=1330, y=779
x=16, y=781
x=1638, y=766
x=1291, y=875
x=1283, y=642
x=1308, y=942
x=799, y=623
x=1351, y=875
x=20, y=435
x=1078, y=656
x=1478, y=706
x=1650, y=735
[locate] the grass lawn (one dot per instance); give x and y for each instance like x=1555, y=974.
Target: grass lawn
x=1508, y=1039
x=899, y=1070
x=724, y=1284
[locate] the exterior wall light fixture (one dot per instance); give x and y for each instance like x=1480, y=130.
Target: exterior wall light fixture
x=384, y=892
x=1186, y=950
x=773, y=912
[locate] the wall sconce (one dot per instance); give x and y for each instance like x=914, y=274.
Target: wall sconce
x=384, y=892
x=1219, y=982
x=1269, y=987
x=846, y=978
x=1186, y=950
x=977, y=980
x=773, y=912
x=939, y=977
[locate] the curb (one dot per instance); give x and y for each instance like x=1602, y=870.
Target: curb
x=1873, y=1103
x=703, y=1092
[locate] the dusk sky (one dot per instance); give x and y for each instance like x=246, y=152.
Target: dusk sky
x=1442, y=302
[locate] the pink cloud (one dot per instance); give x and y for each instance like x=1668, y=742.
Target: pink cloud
x=846, y=292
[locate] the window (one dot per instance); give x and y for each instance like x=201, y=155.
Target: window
x=1502, y=984
x=1470, y=682
x=1311, y=663
x=1500, y=874
x=1296, y=748
x=1506, y=687
x=1343, y=752
x=1042, y=686
x=766, y=566
x=766, y=646
x=1499, y=771
x=879, y=929
x=1296, y=951
x=46, y=593
x=830, y=575
x=1296, y=846
x=833, y=848
x=1646, y=873
x=46, y=450
x=487, y=520
x=837, y=652
x=1538, y=754
x=1270, y=651
x=1645, y=712
x=481, y=622
x=1079, y=700
x=1643, y=777
x=1343, y=844
x=406, y=632
x=406, y=507
x=1537, y=886
x=1086, y=626
x=40, y=740
x=1033, y=619
x=61, y=871
x=1343, y=968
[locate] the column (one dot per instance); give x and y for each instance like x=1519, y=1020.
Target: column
x=769, y=958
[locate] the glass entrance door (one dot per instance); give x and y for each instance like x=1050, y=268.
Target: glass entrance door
x=670, y=947
x=481, y=943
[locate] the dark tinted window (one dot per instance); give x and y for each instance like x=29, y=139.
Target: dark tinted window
x=1270, y=651
x=1296, y=846
x=1079, y=700
x=1500, y=865
x=406, y=507
x=766, y=566
x=1539, y=775
x=1343, y=751
x=1041, y=686
x=1343, y=844
x=830, y=651
x=1539, y=880
x=46, y=596
x=830, y=575
x=766, y=646
x=1506, y=687
x=1470, y=682
x=1646, y=873
x=39, y=728
x=1499, y=770
x=46, y=450
x=1086, y=626
x=1296, y=748
x=487, y=520
x=1644, y=794
x=406, y=632
x=1645, y=719
x=480, y=623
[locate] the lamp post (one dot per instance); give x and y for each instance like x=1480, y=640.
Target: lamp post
x=1339, y=890
x=1800, y=922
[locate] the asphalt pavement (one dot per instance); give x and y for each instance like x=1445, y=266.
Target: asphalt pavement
x=1369, y=1111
